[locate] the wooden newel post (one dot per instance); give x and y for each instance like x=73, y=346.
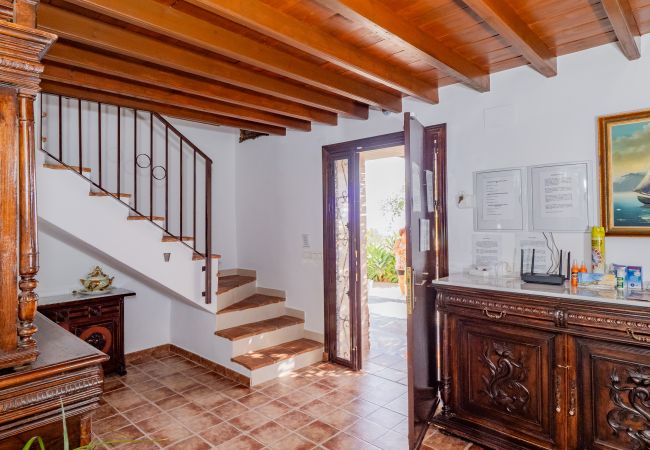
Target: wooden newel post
x=28, y=262
x=22, y=47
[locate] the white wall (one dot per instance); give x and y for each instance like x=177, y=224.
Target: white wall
x=64, y=260
x=279, y=180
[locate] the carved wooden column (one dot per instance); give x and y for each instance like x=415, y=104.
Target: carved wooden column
x=22, y=47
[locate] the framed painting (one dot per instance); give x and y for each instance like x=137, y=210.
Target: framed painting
x=625, y=173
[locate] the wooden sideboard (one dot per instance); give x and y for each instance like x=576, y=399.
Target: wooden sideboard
x=544, y=370
x=96, y=319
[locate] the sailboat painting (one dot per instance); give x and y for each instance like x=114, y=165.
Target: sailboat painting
x=625, y=173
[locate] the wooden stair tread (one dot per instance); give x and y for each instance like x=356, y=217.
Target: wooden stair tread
x=62, y=167
x=167, y=238
x=271, y=355
x=229, y=282
x=255, y=328
x=198, y=256
x=144, y=218
x=254, y=301
x=107, y=194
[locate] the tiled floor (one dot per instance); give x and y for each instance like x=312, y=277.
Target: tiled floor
x=168, y=401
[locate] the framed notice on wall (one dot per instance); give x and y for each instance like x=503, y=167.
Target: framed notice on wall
x=498, y=195
x=559, y=197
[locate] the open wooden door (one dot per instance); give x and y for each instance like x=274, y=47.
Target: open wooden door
x=420, y=212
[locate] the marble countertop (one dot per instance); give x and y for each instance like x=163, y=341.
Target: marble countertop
x=515, y=285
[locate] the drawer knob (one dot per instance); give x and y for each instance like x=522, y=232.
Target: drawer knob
x=638, y=337
x=492, y=315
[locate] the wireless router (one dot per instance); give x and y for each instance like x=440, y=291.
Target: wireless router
x=539, y=278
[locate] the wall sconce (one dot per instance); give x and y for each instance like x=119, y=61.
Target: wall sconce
x=167, y=256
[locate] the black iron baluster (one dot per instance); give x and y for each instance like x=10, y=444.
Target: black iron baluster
x=119, y=150
x=194, y=204
x=208, y=231
x=80, y=145
x=60, y=127
x=99, y=140
x=151, y=166
x=166, y=178
x=181, y=185
x=135, y=160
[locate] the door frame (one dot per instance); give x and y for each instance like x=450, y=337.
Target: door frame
x=435, y=140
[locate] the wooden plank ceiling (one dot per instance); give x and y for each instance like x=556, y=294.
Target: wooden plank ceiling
x=271, y=65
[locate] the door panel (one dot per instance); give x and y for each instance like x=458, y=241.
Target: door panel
x=421, y=346
x=504, y=379
x=613, y=383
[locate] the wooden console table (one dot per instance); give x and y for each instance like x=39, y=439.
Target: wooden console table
x=96, y=319
x=543, y=367
x=67, y=371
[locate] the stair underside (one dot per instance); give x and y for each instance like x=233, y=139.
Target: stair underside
x=198, y=256
x=255, y=328
x=229, y=282
x=254, y=301
x=271, y=355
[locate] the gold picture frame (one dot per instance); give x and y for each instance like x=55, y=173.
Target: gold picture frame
x=624, y=141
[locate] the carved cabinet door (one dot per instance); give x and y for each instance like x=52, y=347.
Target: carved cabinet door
x=505, y=381
x=614, y=385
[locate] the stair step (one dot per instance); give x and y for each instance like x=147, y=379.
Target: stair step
x=229, y=282
x=254, y=301
x=255, y=328
x=62, y=167
x=107, y=194
x=144, y=218
x=271, y=355
x=167, y=238
x=198, y=256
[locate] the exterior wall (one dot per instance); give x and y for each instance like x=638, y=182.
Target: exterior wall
x=547, y=120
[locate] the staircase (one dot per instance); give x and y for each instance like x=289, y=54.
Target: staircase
x=118, y=194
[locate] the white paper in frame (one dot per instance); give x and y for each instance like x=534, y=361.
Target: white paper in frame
x=499, y=200
x=560, y=197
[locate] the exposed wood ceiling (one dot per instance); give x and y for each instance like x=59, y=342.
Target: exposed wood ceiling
x=269, y=65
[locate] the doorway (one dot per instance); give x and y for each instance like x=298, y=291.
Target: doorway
x=348, y=305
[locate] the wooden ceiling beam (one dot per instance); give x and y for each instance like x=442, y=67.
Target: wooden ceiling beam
x=114, y=39
x=625, y=27
x=378, y=17
x=167, y=21
x=98, y=82
x=119, y=67
x=505, y=21
x=284, y=28
x=66, y=90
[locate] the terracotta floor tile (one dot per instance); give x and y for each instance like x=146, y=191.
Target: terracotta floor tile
x=339, y=418
x=237, y=392
x=101, y=427
x=365, y=430
x=211, y=400
x=155, y=423
x=253, y=400
x=134, y=376
x=269, y=433
x=193, y=443
x=158, y=394
x=316, y=408
x=253, y=301
x=199, y=423
x=171, y=402
x=179, y=382
x=274, y=409
x=104, y=412
x=219, y=434
x=229, y=410
x=229, y=282
x=113, y=384
x=248, y=420
x=360, y=407
x=294, y=419
x=170, y=434
x=293, y=442
x=187, y=410
x=277, y=390
x=241, y=442
x=385, y=417
x=297, y=398
x=336, y=397
x=295, y=381
x=142, y=412
x=145, y=386
x=344, y=441
x=124, y=399
x=317, y=431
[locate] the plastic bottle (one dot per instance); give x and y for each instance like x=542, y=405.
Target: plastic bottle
x=598, y=249
x=574, y=273
x=583, y=268
x=620, y=278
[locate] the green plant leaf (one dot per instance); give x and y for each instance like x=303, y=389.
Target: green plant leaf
x=29, y=443
x=66, y=442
